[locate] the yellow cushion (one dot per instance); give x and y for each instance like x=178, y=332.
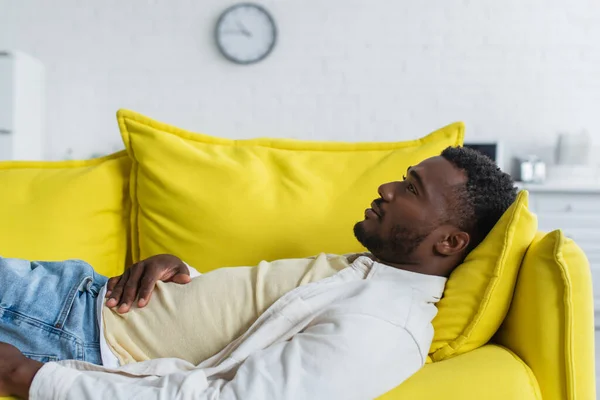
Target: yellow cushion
x=67, y=209
x=550, y=324
x=217, y=202
x=479, y=291
x=488, y=373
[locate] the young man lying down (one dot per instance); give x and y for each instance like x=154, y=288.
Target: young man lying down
x=329, y=327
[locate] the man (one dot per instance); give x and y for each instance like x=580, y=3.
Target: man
x=356, y=331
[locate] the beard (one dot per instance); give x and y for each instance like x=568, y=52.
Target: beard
x=398, y=249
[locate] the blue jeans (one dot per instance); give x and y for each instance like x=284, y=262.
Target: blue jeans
x=48, y=309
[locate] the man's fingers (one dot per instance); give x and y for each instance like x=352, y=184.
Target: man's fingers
x=117, y=290
x=179, y=274
x=154, y=273
x=139, y=281
x=130, y=289
x=110, y=285
x=146, y=287
x=182, y=279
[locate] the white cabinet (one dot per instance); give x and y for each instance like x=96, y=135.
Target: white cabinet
x=21, y=107
x=575, y=210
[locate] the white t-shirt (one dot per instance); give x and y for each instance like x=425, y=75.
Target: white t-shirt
x=108, y=358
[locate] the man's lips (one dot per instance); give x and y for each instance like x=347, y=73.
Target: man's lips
x=376, y=209
x=369, y=213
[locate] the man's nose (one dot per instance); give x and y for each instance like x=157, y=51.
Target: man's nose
x=388, y=190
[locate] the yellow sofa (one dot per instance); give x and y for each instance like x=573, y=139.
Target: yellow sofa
x=544, y=348
x=551, y=360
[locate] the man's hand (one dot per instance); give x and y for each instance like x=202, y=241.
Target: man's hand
x=138, y=281
x=16, y=372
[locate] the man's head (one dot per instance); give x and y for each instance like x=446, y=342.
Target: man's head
x=442, y=209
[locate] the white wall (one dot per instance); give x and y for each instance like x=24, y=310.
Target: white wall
x=519, y=70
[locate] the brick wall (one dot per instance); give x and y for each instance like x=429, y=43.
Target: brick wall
x=518, y=70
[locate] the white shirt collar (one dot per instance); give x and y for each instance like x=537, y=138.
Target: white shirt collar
x=430, y=285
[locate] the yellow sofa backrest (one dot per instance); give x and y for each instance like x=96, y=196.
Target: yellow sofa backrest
x=56, y=210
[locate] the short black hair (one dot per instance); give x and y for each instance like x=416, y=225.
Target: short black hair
x=488, y=193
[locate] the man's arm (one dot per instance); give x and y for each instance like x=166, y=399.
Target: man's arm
x=345, y=357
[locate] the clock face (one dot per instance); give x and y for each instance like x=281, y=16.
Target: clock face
x=246, y=33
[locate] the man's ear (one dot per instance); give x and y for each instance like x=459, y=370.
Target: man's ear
x=454, y=242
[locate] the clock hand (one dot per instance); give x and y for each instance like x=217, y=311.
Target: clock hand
x=243, y=29
x=232, y=32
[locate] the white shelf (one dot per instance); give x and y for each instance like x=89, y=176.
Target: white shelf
x=560, y=187
x=21, y=107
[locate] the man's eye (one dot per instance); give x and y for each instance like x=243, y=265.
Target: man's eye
x=411, y=188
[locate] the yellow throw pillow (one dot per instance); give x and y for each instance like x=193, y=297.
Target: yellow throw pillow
x=479, y=291
x=218, y=202
x=550, y=325
x=67, y=209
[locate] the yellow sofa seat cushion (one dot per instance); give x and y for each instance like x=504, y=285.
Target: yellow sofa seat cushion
x=66, y=209
x=479, y=291
x=218, y=202
x=490, y=372
x=550, y=324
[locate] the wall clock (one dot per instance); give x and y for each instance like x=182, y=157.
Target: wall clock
x=246, y=33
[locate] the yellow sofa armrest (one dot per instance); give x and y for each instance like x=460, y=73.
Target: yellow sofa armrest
x=550, y=324
x=490, y=372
